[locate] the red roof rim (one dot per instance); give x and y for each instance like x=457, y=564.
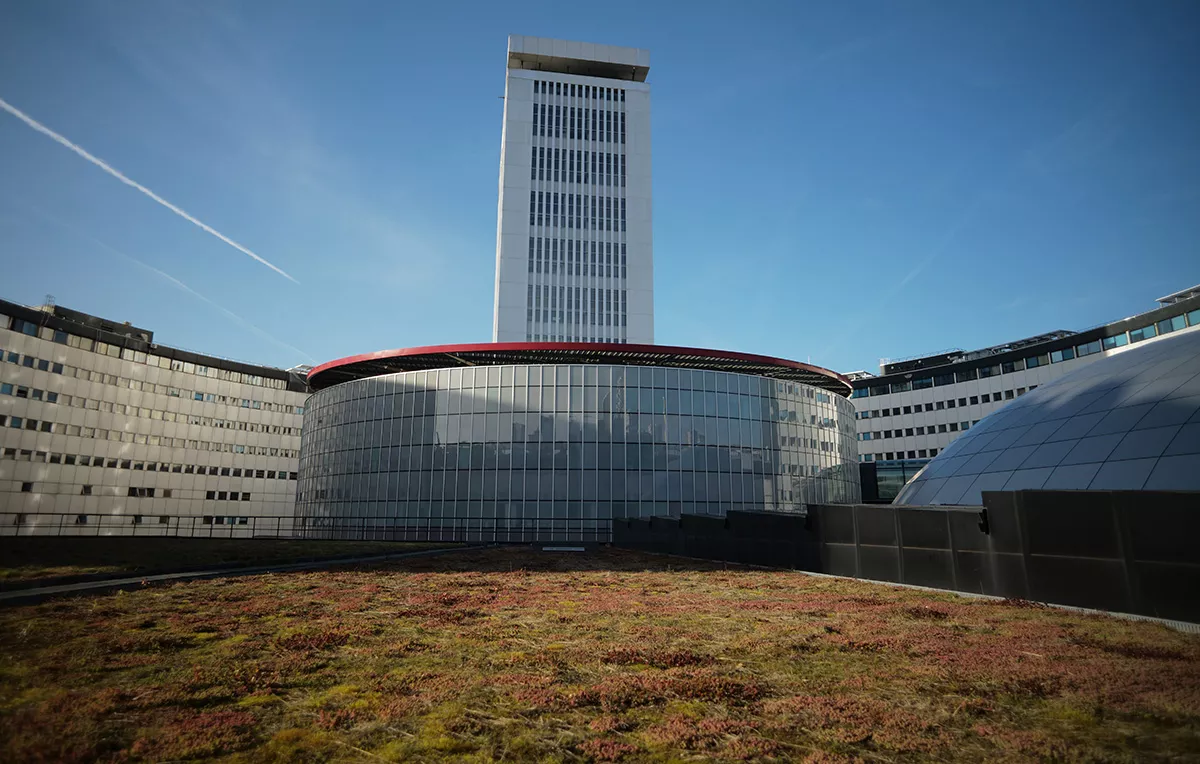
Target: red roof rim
x=600, y=347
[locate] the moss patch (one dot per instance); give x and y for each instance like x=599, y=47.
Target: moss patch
x=519, y=655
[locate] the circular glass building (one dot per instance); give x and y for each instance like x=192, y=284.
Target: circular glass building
x=552, y=442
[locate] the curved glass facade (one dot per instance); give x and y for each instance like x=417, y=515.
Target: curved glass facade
x=547, y=452
x=1127, y=422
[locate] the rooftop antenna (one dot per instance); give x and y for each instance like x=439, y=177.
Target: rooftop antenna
x=48, y=303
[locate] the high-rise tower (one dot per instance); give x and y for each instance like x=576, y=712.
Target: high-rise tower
x=574, y=256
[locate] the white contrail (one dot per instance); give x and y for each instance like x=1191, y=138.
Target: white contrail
x=167, y=277
x=38, y=126
x=234, y=316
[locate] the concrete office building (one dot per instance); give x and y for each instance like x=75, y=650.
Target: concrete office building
x=538, y=441
x=1129, y=422
x=574, y=257
x=916, y=408
x=97, y=420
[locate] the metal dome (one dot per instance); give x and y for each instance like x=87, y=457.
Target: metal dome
x=1129, y=421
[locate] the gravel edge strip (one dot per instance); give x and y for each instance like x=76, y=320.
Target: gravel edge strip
x=31, y=596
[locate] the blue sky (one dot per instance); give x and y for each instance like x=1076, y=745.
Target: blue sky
x=832, y=181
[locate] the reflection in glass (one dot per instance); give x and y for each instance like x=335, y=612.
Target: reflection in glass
x=524, y=452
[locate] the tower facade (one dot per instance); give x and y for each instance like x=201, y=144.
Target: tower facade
x=574, y=255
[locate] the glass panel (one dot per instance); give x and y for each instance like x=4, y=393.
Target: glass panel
x=1114, y=342
x=1144, y=333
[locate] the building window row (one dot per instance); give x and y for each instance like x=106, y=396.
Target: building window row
x=578, y=123
x=122, y=436
x=545, y=87
x=539, y=337
x=996, y=397
x=909, y=432
x=20, y=391
x=226, y=496
x=577, y=166
x=920, y=453
x=1165, y=326
x=590, y=121
x=22, y=519
x=87, y=375
x=577, y=211
x=562, y=429
x=133, y=492
x=84, y=460
x=506, y=395
x=605, y=259
x=557, y=466
x=577, y=306
x=31, y=329
x=547, y=484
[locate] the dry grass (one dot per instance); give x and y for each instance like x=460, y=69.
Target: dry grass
x=524, y=656
x=45, y=560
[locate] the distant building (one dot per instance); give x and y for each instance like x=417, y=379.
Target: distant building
x=96, y=420
x=574, y=256
x=915, y=408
